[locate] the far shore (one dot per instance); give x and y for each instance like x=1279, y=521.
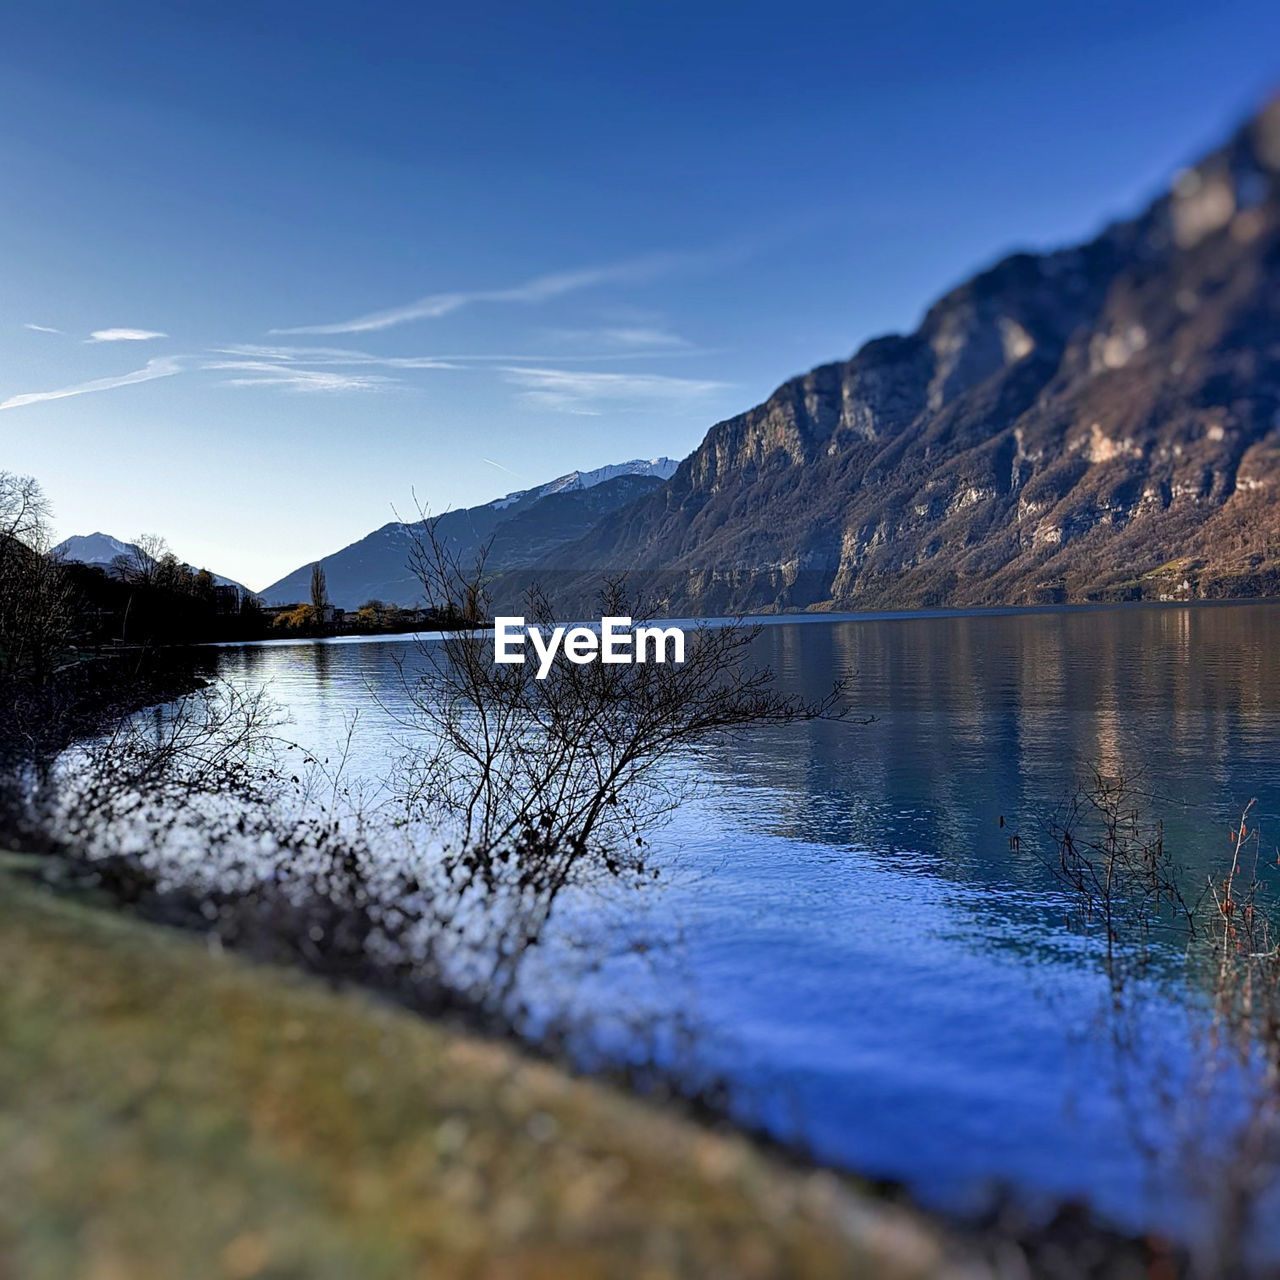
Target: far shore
x=804, y=616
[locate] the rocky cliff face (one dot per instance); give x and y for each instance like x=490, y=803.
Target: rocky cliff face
x=1101, y=422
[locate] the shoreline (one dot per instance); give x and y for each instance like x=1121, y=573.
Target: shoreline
x=171, y=1110
x=850, y=1226
x=806, y=617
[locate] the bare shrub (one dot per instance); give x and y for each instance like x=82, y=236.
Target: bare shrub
x=214, y=742
x=1112, y=859
x=1211, y=1122
x=551, y=782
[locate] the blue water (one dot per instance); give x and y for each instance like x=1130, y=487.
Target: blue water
x=872, y=962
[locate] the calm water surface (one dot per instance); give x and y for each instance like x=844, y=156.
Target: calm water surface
x=873, y=963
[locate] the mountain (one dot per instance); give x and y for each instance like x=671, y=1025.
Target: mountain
x=1097, y=423
x=662, y=468
x=94, y=548
x=523, y=526
x=102, y=549
x=564, y=515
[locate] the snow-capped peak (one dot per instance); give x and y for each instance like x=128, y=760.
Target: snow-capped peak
x=94, y=548
x=663, y=468
x=103, y=549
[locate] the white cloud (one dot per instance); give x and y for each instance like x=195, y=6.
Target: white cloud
x=124, y=335
x=345, y=356
x=575, y=391
x=500, y=467
x=41, y=328
x=624, y=338
x=253, y=367
x=642, y=338
x=264, y=373
x=291, y=356
x=162, y=367
x=539, y=289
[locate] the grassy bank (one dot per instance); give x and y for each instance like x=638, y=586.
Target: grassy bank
x=168, y=1112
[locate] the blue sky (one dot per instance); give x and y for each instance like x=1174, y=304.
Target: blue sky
x=463, y=249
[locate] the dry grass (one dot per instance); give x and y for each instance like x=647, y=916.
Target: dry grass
x=165, y=1112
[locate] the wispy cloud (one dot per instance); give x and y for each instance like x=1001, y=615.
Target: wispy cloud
x=500, y=467
x=575, y=391
x=41, y=328
x=548, y=379
x=341, y=356
x=338, y=356
x=288, y=377
x=539, y=289
x=623, y=338
x=339, y=369
x=161, y=367
x=291, y=369
x=124, y=335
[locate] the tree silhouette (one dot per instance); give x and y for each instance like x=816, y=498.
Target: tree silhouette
x=319, y=590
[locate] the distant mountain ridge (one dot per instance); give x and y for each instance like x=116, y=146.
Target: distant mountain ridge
x=1097, y=423
x=522, y=527
x=103, y=549
x=662, y=468
x=94, y=548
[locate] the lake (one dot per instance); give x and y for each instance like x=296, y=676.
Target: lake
x=873, y=962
